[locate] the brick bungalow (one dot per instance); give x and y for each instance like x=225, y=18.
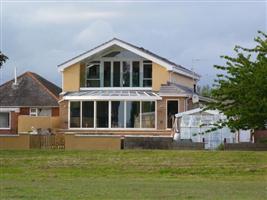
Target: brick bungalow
x=29, y=101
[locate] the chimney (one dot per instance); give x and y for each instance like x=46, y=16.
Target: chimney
x=15, y=84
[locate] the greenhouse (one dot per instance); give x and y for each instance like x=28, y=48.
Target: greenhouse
x=191, y=125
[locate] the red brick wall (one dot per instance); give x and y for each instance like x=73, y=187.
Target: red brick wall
x=260, y=135
x=14, y=124
x=55, y=112
x=24, y=111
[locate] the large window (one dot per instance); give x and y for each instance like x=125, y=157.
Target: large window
x=136, y=74
x=102, y=114
x=172, y=109
x=107, y=74
x=117, y=114
x=119, y=74
x=75, y=114
x=4, y=120
x=126, y=74
x=132, y=114
x=87, y=114
x=116, y=74
x=113, y=114
x=93, y=75
x=147, y=79
x=148, y=114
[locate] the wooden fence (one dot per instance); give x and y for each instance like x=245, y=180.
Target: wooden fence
x=47, y=141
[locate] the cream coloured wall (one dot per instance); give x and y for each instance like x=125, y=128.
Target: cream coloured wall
x=71, y=78
x=25, y=122
x=160, y=75
x=183, y=80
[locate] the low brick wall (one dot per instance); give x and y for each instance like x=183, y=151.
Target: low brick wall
x=20, y=142
x=160, y=143
x=260, y=136
x=245, y=146
x=92, y=142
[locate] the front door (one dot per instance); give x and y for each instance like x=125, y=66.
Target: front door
x=172, y=109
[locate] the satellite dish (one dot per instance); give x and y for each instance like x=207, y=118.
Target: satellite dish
x=195, y=98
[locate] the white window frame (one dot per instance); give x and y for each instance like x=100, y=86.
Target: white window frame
x=9, y=122
x=147, y=79
x=109, y=122
x=34, y=113
x=112, y=60
x=166, y=115
x=94, y=79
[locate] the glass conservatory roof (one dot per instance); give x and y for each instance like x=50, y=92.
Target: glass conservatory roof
x=112, y=95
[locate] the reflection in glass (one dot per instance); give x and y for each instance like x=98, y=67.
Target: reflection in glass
x=75, y=114
x=133, y=114
x=117, y=114
x=148, y=114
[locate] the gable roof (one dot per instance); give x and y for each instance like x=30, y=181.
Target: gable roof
x=171, y=66
x=31, y=90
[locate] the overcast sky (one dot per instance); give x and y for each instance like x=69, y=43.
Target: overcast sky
x=37, y=36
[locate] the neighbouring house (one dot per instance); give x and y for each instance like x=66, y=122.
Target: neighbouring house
x=28, y=102
x=121, y=89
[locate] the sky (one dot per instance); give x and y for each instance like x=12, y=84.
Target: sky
x=39, y=35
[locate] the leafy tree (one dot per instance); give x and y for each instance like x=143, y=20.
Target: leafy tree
x=204, y=90
x=241, y=88
x=3, y=59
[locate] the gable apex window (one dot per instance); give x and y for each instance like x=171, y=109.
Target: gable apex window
x=93, y=75
x=147, y=78
x=118, y=73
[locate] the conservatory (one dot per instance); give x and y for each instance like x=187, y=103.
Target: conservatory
x=192, y=124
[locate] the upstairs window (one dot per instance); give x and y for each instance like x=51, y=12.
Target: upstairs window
x=93, y=75
x=136, y=74
x=116, y=74
x=107, y=74
x=147, y=78
x=126, y=68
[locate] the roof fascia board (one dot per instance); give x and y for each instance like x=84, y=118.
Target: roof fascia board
x=121, y=44
x=85, y=55
x=128, y=47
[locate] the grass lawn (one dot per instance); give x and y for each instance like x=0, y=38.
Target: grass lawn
x=56, y=174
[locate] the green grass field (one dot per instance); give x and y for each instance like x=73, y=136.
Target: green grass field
x=56, y=174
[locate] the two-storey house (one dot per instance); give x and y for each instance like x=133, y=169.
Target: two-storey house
x=119, y=88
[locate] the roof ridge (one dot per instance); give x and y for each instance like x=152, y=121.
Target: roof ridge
x=32, y=75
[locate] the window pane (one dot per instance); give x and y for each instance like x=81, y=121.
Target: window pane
x=4, y=120
x=136, y=74
x=93, y=72
x=148, y=114
x=133, y=114
x=88, y=114
x=107, y=73
x=147, y=79
x=148, y=71
x=93, y=83
x=126, y=74
x=116, y=74
x=117, y=114
x=147, y=83
x=102, y=114
x=74, y=114
x=172, y=109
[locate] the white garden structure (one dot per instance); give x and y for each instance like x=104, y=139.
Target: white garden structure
x=192, y=124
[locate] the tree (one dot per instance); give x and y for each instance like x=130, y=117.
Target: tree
x=241, y=88
x=3, y=59
x=204, y=90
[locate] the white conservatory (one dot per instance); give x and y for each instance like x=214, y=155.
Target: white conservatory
x=192, y=124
